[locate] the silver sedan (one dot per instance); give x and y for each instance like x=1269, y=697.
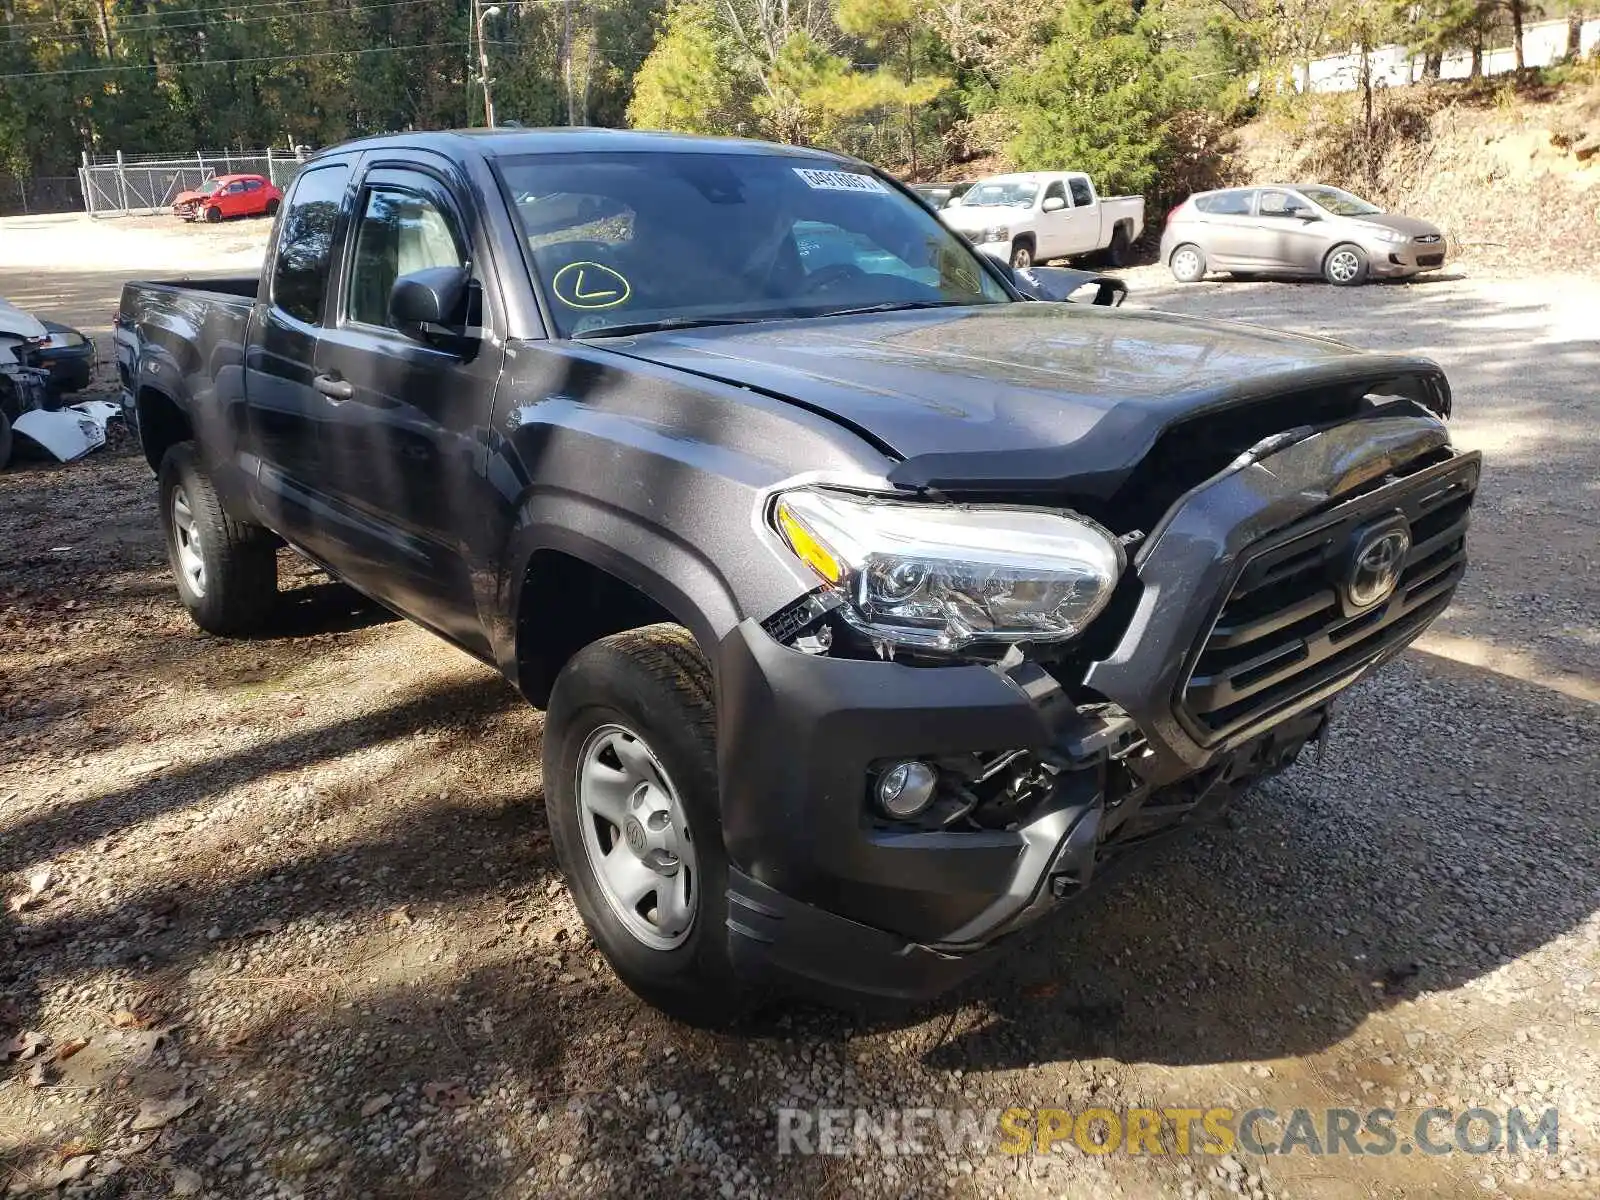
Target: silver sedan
x=1309, y=229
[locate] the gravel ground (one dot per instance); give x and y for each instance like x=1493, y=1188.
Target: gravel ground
x=296, y=896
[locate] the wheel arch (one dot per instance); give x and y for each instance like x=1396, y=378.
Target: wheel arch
x=569, y=589
x=162, y=424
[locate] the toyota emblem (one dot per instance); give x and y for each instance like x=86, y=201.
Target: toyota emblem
x=1375, y=566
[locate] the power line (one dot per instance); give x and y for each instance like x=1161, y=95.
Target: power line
x=125, y=26
x=233, y=62
x=226, y=13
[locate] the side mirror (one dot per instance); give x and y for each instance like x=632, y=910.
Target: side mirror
x=436, y=296
x=1063, y=283
x=1053, y=204
x=1306, y=215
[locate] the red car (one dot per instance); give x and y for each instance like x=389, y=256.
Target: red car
x=229, y=196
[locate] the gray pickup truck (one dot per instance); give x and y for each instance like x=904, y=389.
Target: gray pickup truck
x=876, y=606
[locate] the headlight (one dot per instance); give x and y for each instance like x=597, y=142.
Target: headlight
x=943, y=577
x=998, y=234
x=1392, y=235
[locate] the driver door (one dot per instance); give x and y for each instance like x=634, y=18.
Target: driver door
x=405, y=417
x=1290, y=240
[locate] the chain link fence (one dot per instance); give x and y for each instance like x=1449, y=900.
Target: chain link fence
x=25, y=196
x=122, y=183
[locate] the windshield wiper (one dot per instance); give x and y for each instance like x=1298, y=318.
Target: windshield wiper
x=665, y=323
x=895, y=306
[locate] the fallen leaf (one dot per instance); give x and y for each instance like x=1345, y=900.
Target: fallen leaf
x=37, y=882
x=71, y=1150
x=67, y=1049
x=446, y=1094
x=71, y=1172
x=25, y=1045
x=127, y=1019
x=144, y=1042
x=156, y=1114
x=186, y=1182
x=376, y=1105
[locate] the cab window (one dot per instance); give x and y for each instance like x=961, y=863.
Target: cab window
x=400, y=233
x=305, y=242
x=1082, y=193
x=1056, y=191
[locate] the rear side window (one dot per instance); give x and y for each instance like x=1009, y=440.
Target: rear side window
x=1082, y=195
x=305, y=242
x=1225, y=204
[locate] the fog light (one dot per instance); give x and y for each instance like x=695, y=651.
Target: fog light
x=905, y=789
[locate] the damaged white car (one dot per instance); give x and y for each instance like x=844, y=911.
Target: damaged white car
x=27, y=407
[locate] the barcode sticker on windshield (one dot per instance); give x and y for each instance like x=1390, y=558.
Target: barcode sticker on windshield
x=839, y=181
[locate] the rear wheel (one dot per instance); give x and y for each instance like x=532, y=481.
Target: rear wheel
x=272, y=207
x=1345, y=266
x=631, y=790
x=226, y=570
x=1117, y=252
x=1188, y=264
x=213, y=214
x=1022, y=254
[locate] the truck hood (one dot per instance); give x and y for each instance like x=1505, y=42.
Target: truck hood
x=1018, y=396
x=985, y=216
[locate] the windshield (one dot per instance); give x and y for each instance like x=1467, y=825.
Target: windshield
x=1011, y=193
x=209, y=186
x=1339, y=202
x=630, y=240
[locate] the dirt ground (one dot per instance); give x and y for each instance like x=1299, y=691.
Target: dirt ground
x=295, y=897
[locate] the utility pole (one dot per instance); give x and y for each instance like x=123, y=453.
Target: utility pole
x=566, y=55
x=483, y=60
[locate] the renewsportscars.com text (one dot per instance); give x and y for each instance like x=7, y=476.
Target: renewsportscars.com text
x=1165, y=1131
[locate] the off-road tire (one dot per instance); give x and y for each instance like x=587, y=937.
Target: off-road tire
x=1186, y=269
x=240, y=559
x=1022, y=253
x=655, y=682
x=1336, y=271
x=5, y=441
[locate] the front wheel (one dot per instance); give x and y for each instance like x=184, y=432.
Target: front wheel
x=1021, y=254
x=1188, y=264
x=1345, y=266
x=213, y=214
x=631, y=790
x=226, y=570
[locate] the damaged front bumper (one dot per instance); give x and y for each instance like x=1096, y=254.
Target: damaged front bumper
x=1212, y=685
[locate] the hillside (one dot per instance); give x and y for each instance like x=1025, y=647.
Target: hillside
x=1515, y=179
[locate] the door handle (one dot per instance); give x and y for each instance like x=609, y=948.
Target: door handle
x=333, y=387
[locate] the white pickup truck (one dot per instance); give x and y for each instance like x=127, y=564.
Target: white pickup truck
x=1043, y=215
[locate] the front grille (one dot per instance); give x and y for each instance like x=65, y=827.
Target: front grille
x=1428, y=239
x=1429, y=260
x=1286, y=637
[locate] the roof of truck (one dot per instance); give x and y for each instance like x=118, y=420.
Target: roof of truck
x=509, y=142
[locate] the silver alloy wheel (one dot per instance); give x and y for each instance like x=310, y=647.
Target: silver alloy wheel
x=1344, y=266
x=1186, y=264
x=186, y=537
x=637, y=837
x=1021, y=258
